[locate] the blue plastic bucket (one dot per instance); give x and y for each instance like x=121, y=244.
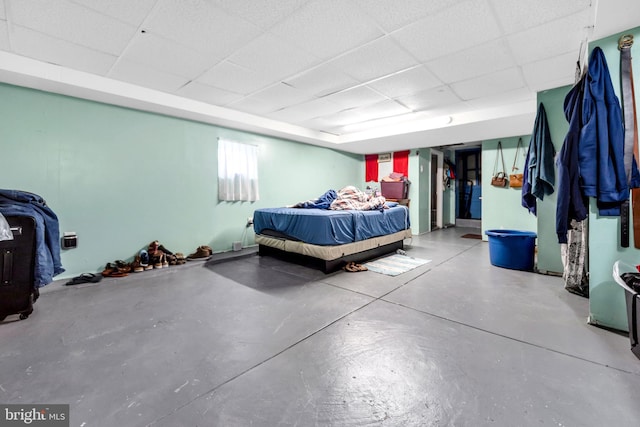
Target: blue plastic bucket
x=512, y=249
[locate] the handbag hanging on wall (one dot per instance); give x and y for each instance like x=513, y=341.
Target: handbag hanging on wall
x=515, y=179
x=499, y=178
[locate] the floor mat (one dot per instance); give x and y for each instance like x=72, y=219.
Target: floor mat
x=395, y=264
x=472, y=236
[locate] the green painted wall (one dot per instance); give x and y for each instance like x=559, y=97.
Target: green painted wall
x=121, y=178
x=502, y=207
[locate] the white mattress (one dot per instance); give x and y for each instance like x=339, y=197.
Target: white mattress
x=330, y=253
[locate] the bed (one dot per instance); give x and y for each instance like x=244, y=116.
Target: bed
x=329, y=238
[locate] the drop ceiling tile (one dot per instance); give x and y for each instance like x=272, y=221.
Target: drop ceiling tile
x=341, y=118
x=252, y=105
x=39, y=46
x=282, y=95
x=166, y=56
x=273, y=57
x=364, y=62
x=141, y=75
x=394, y=14
x=234, y=78
x=131, y=12
x=516, y=16
x=549, y=40
x=327, y=28
x=431, y=98
x=489, y=84
x=306, y=111
x=73, y=23
x=322, y=80
x=411, y=81
x=208, y=94
x=459, y=27
x=550, y=73
x=501, y=99
x=387, y=108
x=4, y=36
x=263, y=14
x=202, y=26
x=487, y=58
x=356, y=97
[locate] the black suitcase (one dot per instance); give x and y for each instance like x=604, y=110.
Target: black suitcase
x=17, y=258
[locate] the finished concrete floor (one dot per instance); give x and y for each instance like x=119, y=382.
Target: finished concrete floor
x=258, y=341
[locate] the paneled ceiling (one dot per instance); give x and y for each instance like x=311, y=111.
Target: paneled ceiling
x=357, y=75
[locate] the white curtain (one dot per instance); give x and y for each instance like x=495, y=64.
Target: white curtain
x=237, y=171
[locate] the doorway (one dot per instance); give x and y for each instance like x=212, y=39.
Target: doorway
x=469, y=187
x=437, y=188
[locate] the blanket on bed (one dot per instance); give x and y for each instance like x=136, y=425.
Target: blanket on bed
x=351, y=198
x=348, y=198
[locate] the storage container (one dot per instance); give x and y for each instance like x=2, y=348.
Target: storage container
x=632, y=300
x=394, y=189
x=514, y=249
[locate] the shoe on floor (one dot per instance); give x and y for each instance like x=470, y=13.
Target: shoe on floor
x=202, y=252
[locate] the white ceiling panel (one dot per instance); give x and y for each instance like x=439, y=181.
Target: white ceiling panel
x=356, y=97
x=516, y=16
x=131, y=72
x=380, y=110
x=464, y=25
x=282, y=95
x=428, y=99
x=364, y=63
x=33, y=44
x=131, y=12
x=557, y=71
x=202, y=26
x=253, y=105
x=394, y=14
x=551, y=39
x=4, y=36
x=162, y=54
x=205, y=93
x=410, y=81
x=73, y=23
x=306, y=111
x=489, y=84
x=487, y=58
x=263, y=14
x=502, y=99
x=322, y=80
x=327, y=28
x=234, y=78
x=273, y=58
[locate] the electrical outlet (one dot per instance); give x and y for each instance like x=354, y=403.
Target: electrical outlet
x=249, y=222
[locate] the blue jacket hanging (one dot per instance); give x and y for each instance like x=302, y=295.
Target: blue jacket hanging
x=539, y=172
x=571, y=202
x=601, y=147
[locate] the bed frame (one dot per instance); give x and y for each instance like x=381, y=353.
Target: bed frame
x=330, y=258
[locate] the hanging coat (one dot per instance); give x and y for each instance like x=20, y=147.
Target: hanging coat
x=571, y=205
x=601, y=148
x=539, y=172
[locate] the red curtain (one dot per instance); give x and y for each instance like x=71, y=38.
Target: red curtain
x=401, y=162
x=371, y=164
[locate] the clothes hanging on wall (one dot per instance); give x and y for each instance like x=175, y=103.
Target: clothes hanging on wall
x=601, y=147
x=539, y=171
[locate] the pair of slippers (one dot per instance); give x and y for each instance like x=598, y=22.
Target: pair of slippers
x=352, y=267
x=84, y=278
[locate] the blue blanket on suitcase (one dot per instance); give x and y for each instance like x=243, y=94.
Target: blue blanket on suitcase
x=47, y=256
